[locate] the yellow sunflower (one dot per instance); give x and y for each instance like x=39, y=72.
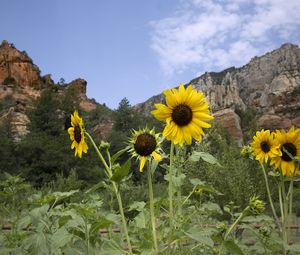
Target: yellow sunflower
x=76, y=133
x=186, y=112
x=143, y=144
x=290, y=142
x=264, y=146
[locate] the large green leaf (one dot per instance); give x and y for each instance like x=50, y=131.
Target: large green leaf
x=61, y=237
x=200, y=237
x=121, y=172
x=197, y=155
x=232, y=248
x=117, y=155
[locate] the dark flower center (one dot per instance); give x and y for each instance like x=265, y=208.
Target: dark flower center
x=77, y=134
x=145, y=144
x=291, y=149
x=265, y=147
x=182, y=115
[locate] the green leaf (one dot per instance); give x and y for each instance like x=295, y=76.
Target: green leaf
x=200, y=237
x=177, y=180
x=233, y=248
x=197, y=155
x=121, y=172
x=293, y=247
x=61, y=237
x=99, y=185
x=117, y=155
x=139, y=206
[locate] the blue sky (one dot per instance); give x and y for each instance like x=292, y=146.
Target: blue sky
x=137, y=48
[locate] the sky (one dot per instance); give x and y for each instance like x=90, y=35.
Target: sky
x=138, y=48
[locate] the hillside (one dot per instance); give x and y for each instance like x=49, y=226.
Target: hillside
x=21, y=84
x=264, y=93
x=266, y=89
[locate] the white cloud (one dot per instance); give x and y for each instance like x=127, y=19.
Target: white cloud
x=214, y=34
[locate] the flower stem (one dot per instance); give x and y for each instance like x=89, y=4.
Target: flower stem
x=290, y=210
x=151, y=200
x=123, y=217
x=171, y=215
x=171, y=185
x=284, y=212
x=117, y=192
x=235, y=223
x=270, y=198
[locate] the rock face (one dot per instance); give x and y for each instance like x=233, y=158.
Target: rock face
x=21, y=83
x=268, y=85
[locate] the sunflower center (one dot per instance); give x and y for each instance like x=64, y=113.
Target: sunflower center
x=291, y=149
x=265, y=147
x=77, y=134
x=182, y=115
x=145, y=144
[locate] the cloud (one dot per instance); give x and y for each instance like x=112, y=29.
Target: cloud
x=215, y=34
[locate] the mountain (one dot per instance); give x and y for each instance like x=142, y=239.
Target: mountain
x=265, y=93
x=21, y=83
x=266, y=89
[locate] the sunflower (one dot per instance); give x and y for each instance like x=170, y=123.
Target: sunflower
x=264, y=146
x=143, y=144
x=289, y=146
x=76, y=133
x=186, y=112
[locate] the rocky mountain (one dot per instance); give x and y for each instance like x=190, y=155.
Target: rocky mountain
x=21, y=83
x=266, y=91
x=268, y=87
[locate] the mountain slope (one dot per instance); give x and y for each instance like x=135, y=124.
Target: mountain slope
x=268, y=86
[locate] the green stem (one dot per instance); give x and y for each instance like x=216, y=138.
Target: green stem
x=87, y=237
x=270, y=198
x=290, y=210
x=284, y=215
x=108, y=170
x=171, y=186
x=186, y=199
x=235, y=223
x=152, y=208
x=123, y=217
x=109, y=175
x=171, y=215
x=232, y=227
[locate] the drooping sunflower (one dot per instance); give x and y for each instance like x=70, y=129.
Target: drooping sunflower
x=144, y=144
x=289, y=146
x=186, y=114
x=76, y=133
x=264, y=146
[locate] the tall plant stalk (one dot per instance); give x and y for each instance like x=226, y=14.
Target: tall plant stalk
x=270, y=198
x=117, y=192
x=152, y=214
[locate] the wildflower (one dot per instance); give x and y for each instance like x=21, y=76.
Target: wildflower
x=186, y=112
x=290, y=148
x=76, y=133
x=256, y=206
x=198, y=189
x=143, y=144
x=264, y=146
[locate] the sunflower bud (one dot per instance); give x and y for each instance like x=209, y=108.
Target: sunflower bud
x=104, y=145
x=256, y=206
x=246, y=152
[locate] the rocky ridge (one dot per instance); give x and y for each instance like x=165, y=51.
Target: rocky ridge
x=268, y=86
x=21, y=83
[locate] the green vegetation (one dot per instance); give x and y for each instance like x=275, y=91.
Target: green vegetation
x=54, y=203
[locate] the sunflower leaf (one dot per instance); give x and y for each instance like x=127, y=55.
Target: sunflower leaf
x=197, y=155
x=121, y=172
x=117, y=155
